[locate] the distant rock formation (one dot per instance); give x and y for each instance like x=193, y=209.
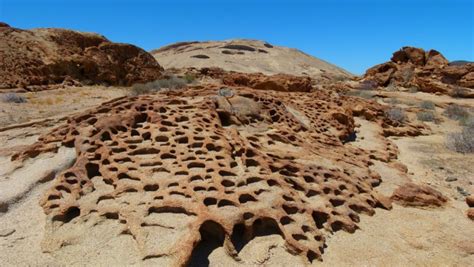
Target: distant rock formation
x=277, y=82
x=246, y=56
x=429, y=71
x=41, y=57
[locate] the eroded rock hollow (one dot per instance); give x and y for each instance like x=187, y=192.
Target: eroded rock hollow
x=227, y=168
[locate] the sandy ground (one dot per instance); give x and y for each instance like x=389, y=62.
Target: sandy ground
x=399, y=237
x=53, y=104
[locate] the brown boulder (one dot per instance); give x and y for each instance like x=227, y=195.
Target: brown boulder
x=414, y=195
x=470, y=201
x=467, y=80
x=435, y=59
x=429, y=85
x=51, y=56
x=409, y=54
x=470, y=213
x=429, y=71
x=382, y=73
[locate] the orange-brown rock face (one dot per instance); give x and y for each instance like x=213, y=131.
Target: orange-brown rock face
x=277, y=82
x=411, y=194
x=53, y=56
x=229, y=168
x=428, y=71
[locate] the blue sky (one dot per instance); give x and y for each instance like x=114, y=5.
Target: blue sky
x=352, y=34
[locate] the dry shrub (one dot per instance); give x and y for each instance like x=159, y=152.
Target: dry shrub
x=462, y=142
x=426, y=116
x=427, y=105
x=456, y=112
x=13, y=98
x=396, y=114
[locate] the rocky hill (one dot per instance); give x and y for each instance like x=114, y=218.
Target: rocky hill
x=38, y=57
x=245, y=56
x=428, y=71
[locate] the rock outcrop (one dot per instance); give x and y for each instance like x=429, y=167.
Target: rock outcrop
x=40, y=57
x=429, y=71
x=246, y=56
x=177, y=169
x=414, y=195
x=277, y=82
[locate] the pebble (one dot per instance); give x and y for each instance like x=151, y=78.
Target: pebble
x=462, y=191
x=451, y=179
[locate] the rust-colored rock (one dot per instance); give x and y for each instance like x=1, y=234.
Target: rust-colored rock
x=229, y=165
x=414, y=195
x=277, y=82
x=470, y=201
x=51, y=56
x=470, y=213
x=428, y=71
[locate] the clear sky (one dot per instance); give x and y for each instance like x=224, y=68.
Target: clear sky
x=352, y=34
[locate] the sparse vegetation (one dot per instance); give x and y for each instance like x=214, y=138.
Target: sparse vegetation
x=170, y=83
x=458, y=92
x=392, y=101
x=407, y=74
x=462, y=142
x=360, y=93
x=396, y=114
x=340, y=78
x=426, y=116
x=413, y=89
x=13, y=98
x=391, y=87
x=189, y=77
x=456, y=112
x=427, y=105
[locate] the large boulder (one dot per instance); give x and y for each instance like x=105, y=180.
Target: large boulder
x=428, y=71
x=53, y=56
x=409, y=54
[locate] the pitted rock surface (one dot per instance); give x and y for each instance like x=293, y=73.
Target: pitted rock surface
x=174, y=169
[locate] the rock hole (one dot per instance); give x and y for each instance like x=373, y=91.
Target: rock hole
x=92, y=170
x=212, y=237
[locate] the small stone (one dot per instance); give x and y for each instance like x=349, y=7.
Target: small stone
x=470, y=213
x=462, y=191
x=451, y=179
x=225, y=92
x=6, y=232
